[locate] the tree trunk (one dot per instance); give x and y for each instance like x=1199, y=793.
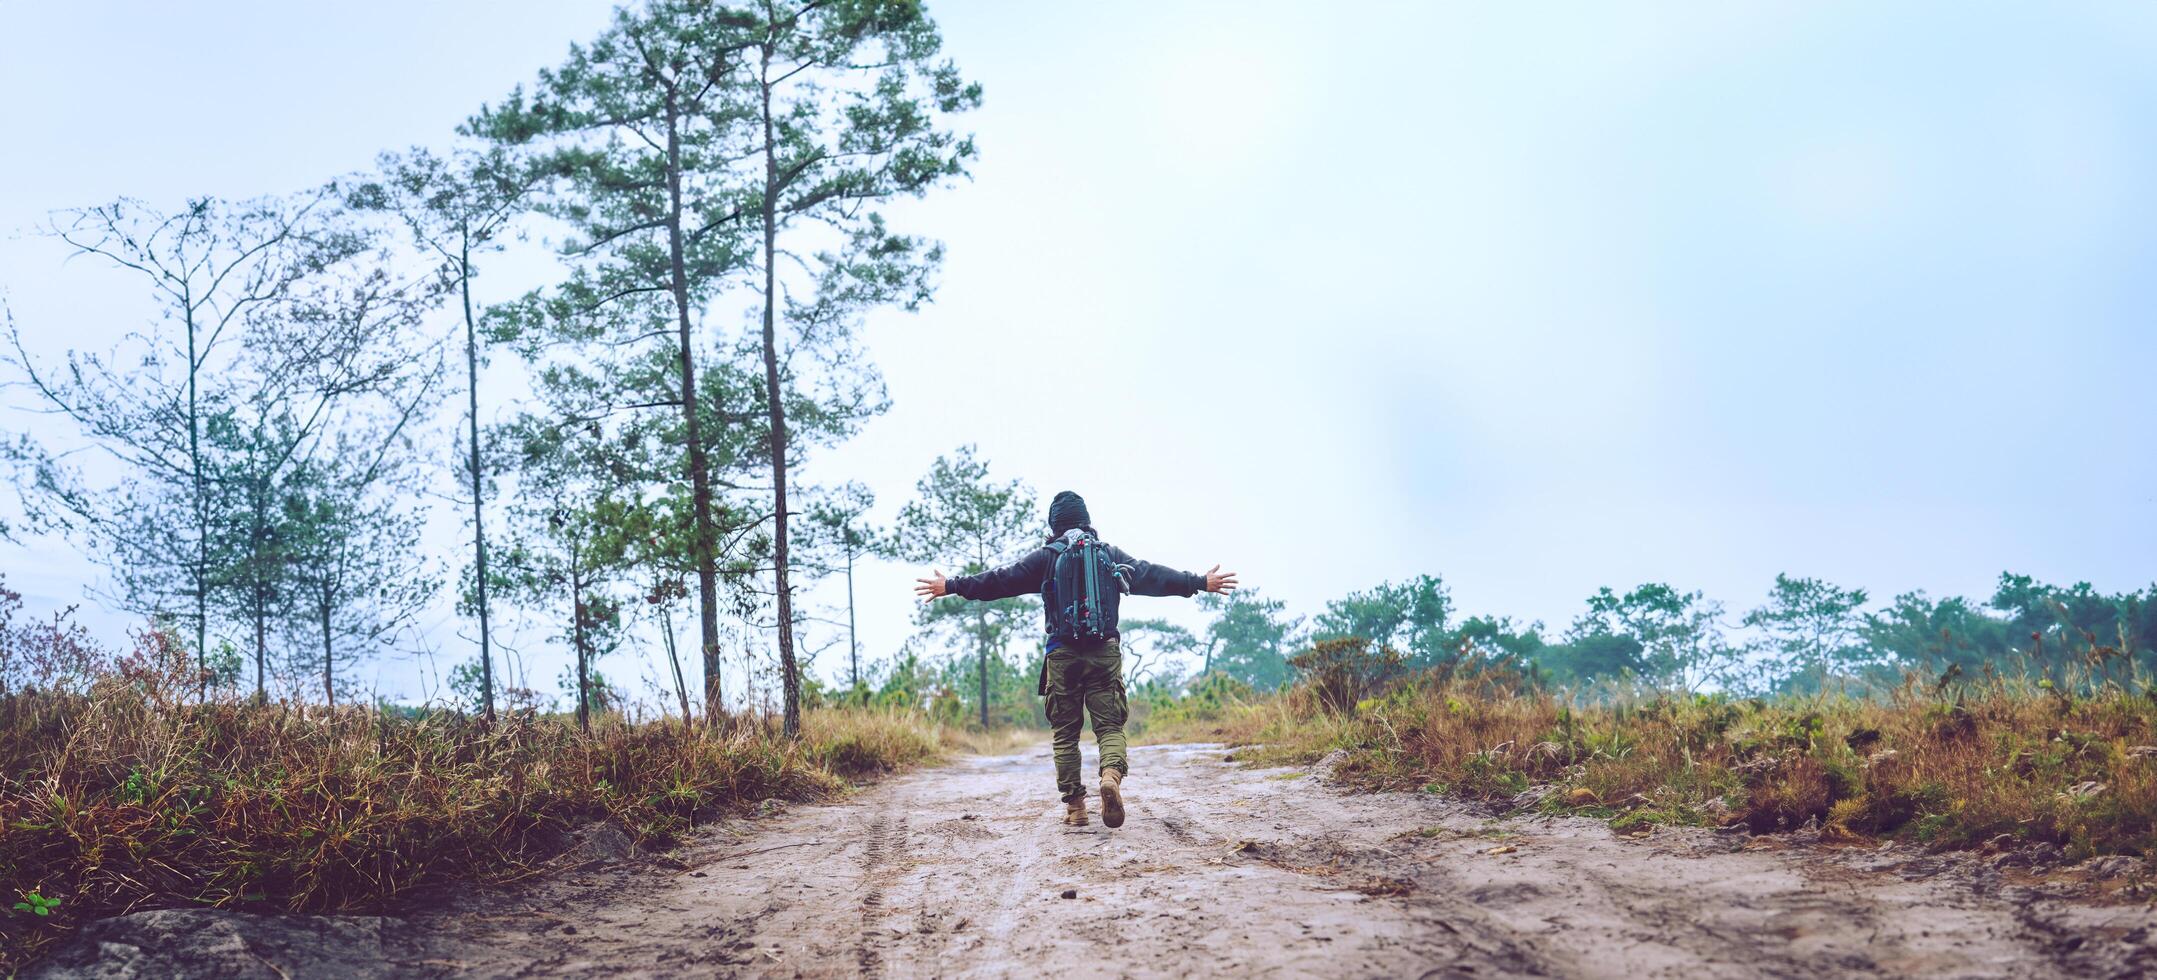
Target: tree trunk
x=257, y=575
x=700, y=488
x=681, y=690
x=262, y=646
x=777, y=404
x=202, y=509
x=329, y=690
x=981, y=636
x=479, y=529
x=853, y=643
x=576, y=615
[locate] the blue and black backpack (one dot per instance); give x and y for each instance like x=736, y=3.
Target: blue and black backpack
x=1082, y=591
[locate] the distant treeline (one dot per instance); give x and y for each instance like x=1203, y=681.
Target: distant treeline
x=1807, y=636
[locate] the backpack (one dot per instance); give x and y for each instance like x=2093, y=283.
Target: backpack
x=1083, y=589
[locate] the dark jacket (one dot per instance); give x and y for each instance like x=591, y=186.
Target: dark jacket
x=1030, y=575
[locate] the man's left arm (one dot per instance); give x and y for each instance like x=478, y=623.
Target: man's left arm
x=1147, y=578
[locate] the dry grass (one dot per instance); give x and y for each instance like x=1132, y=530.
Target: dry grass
x=1956, y=768
x=129, y=798
x=995, y=741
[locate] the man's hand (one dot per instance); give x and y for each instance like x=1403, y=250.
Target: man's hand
x=932, y=588
x=1218, y=581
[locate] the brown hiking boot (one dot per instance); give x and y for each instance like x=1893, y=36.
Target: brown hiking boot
x=1112, y=797
x=1075, y=813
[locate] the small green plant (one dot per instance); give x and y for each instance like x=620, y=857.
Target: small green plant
x=36, y=904
x=136, y=789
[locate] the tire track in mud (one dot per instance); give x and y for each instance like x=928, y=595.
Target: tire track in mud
x=1022, y=879
x=1178, y=828
x=1165, y=808
x=877, y=848
x=1454, y=936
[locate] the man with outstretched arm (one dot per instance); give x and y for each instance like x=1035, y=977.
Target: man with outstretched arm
x=1080, y=579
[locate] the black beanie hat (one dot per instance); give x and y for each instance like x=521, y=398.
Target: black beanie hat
x=1067, y=511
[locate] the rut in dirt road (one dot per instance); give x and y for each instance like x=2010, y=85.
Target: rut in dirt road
x=959, y=871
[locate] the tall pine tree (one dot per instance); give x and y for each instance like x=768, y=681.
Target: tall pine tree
x=847, y=100
x=637, y=129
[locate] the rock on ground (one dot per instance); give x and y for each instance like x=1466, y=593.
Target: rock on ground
x=216, y=943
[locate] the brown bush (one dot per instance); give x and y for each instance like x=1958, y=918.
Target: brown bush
x=134, y=797
x=1342, y=672
x=2003, y=757
x=1796, y=793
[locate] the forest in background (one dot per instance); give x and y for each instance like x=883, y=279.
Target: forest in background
x=260, y=465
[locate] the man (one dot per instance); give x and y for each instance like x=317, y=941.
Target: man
x=1083, y=674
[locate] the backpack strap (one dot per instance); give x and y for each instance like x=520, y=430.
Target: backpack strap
x=1058, y=546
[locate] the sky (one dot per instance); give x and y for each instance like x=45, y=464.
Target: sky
x=1539, y=298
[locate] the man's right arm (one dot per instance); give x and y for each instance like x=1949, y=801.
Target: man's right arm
x=1022, y=577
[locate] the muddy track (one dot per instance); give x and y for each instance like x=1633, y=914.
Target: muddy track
x=961, y=871
x=873, y=853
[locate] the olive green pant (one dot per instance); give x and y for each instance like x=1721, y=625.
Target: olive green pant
x=1078, y=683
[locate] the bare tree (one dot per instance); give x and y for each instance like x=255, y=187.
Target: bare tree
x=213, y=269
x=456, y=209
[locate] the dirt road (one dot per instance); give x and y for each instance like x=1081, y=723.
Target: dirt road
x=964, y=870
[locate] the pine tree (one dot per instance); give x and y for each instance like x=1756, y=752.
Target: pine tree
x=846, y=100
x=837, y=535
x=960, y=516
x=636, y=130
x=456, y=210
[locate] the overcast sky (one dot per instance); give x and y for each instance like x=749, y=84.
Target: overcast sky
x=1537, y=297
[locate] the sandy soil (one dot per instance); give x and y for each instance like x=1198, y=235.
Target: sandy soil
x=964, y=870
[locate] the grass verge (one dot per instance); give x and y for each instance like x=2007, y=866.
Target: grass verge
x=126, y=799
x=1957, y=769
